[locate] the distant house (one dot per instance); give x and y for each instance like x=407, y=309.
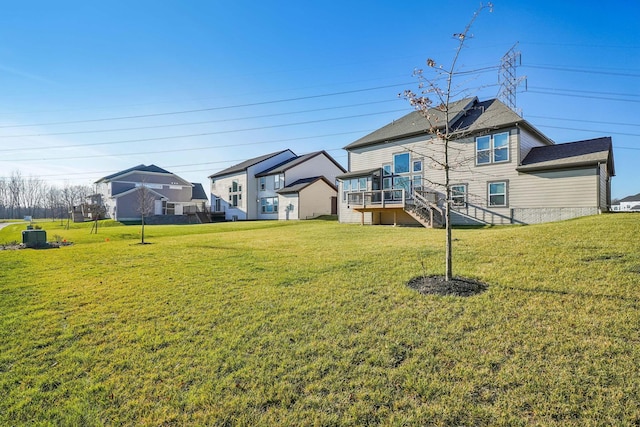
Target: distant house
x=175, y=200
x=628, y=204
x=504, y=171
x=280, y=185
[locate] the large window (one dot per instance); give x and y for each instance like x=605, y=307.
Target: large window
x=492, y=148
x=498, y=193
x=269, y=205
x=459, y=195
x=235, y=194
x=401, y=163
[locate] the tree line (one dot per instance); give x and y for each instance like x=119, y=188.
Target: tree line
x=21, y=196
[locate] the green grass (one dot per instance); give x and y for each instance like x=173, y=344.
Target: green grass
x=311, y=323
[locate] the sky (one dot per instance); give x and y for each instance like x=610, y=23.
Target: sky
x=91, y=88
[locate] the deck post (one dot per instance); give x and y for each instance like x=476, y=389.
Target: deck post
x=362, y=218
x=395, y=217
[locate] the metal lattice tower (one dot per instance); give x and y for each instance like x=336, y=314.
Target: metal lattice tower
x=508, y=79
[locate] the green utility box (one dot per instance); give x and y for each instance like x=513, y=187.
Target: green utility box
x=34, y=238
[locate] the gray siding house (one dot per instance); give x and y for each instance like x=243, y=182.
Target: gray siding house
x=175, y=200
x=503, y=171
x=270, y=187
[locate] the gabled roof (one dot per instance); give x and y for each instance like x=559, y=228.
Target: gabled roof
x=301, y=184
x=134, y=189
x=289, y=163
x=634, y=198
x=139, y=168
x=570, y=154
x=247, y=164
x=197, y=192
x=466, y=116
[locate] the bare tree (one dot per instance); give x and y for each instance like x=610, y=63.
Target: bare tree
x=145, y=206
x=438, y=114
x=16, y=188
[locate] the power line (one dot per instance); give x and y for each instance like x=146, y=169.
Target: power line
x=581, y=70
x=196, y=123
x=199, y=110
x=180, y=150
x=584, y=96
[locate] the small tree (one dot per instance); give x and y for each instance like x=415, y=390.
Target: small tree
x=422, y=103
x=145, y=206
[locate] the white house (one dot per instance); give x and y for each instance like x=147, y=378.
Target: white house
x=628, y=204
x=503, y=171
x=251, y=189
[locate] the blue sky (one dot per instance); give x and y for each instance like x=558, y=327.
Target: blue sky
x=90, y=88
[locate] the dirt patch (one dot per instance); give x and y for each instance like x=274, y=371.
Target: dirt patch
x=437, y=285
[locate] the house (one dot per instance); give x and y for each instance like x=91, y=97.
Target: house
x=628, y=204
x=280, y=185
x=502, y=171
x=168, y=198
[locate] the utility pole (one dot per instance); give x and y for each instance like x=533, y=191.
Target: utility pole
x=508, y=79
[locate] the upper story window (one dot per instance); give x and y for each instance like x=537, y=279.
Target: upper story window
x=262, y=183
x=386, y=170
x=278, y=181
x=492, y=148
x=401, y=163
x=417, y=166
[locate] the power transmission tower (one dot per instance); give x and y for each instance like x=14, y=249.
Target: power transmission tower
x=508, y=79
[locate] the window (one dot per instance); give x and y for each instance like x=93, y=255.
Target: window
x=278, y=181
x=386, y=170
x=492, y=148
x=269, y=205
x=401, y=183
x=235, y=194
x=263, y=183
x=401, y=163
x=416, y=182
x=498, y=193
x=483, y=150
x=501, y=147
x=459, y=195
x=417, y=166
x=363, y=184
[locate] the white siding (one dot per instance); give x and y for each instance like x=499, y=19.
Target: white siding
x=319, y=165
x=220, y=188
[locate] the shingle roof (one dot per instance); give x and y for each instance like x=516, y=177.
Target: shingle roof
x=411, y=124
x=356, y=174
x=246, y=164
x=140, y=168
x=634, y=198
x=570, y=154
x=197, y=192
x=289, y=163
x=300, y=184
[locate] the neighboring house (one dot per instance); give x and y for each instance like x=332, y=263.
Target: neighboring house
x=628, y=204
x=170, y=199
x=503, y=171
x=273, y=186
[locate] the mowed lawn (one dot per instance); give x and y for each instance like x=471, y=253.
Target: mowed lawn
x=312, y=324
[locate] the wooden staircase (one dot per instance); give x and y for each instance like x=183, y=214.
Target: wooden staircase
x=425, y=212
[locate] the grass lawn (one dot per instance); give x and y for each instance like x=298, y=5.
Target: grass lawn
x=311, y=323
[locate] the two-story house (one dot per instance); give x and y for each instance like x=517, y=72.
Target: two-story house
x=278, y=185
x=502, y=171
x=122, y=195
